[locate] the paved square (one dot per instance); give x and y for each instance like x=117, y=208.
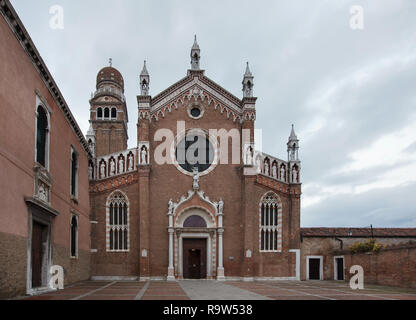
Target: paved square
x=230, y=290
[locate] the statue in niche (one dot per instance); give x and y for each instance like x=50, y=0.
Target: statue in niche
x=220, y=206
x=249, y=156
x=90, y=171
x=112, y=167
x=266, y=168
x=275, y=171
x=258, y=164
x=294, y=175
x=102, y=170
x=196, y=176
x=143, y=155
x=131, y=162
x=282, y=173
x=121, y=165
x=171, y=207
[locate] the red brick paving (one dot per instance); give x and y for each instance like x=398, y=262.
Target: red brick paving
x=283, y=290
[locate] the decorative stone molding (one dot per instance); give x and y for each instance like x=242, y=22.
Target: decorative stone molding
x=212, y=213
x=113, y=183
x=278, y=186
x=196, y=89
x=43, y=183
x=116, y=164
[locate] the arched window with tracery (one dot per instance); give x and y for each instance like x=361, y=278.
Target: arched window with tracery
x=270, y=224
x=118, y=223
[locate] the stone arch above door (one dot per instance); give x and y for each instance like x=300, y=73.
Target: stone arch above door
x=195, y=211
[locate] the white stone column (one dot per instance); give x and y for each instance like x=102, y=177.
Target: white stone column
x=220, y=269
x=171, y=268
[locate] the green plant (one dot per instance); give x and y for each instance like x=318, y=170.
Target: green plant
x=369, y=245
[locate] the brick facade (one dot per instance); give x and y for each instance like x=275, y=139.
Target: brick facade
x=158, y=184
x=34, y=191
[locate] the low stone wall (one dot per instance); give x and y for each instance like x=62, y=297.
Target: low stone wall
x=394, y=266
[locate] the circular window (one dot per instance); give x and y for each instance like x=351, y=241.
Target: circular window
x=195, y=112
x=194, y=152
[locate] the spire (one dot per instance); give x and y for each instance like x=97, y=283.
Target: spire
x=196, y=45
x=90, y=131
x=144, y=71
x=248, y=83
x=293, y=146
x=91, y=139
x=195, y=55
x=144, y=81
x=293, y=136
x=248, y=72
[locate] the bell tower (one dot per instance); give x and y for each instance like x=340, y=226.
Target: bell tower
x=108, y=112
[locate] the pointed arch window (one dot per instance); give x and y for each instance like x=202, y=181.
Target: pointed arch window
x=42, y=131
x=118, y=223
x=270, y=224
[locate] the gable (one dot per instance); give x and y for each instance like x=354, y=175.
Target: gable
x=195, y=84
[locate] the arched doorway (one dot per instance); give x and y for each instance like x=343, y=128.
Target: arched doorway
x=195, y=239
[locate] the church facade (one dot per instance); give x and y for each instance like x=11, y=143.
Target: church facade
x=194, y=199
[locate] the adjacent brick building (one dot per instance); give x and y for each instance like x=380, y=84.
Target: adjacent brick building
x=326, y=253
x=44, y=163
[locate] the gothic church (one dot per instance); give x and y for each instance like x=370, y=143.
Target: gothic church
x=187, y=218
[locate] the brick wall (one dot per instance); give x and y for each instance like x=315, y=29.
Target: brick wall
x=395, y=266
x=13, y=256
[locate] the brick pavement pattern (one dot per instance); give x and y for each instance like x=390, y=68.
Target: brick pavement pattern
x=230, y=290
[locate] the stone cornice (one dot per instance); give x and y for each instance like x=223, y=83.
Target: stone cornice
x=16, y=25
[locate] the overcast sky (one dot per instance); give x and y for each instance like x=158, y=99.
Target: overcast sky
x=350, y=93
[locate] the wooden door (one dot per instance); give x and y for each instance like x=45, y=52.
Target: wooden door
x=38, y=232
x=194, y=258
x=194, y=264
x=314, y=269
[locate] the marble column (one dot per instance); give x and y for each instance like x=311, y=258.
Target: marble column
x=171, y=268
x=220, y=269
